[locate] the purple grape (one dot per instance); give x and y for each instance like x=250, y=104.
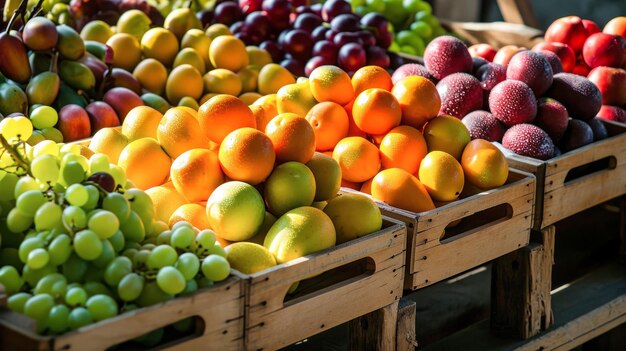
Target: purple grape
x=333, y=8
x=344, y=38
x=377, y=56
x=326, y=49
x=227, y=13
x=368, y=38
x=298, y=43
x=317, y=8
x=330, y=35
x=259, y=22
x=315, y=62
x=277, y=10
x=237, y=27
x=105, y=180
x=375, y=21
x=249, y=6
x=305, y=9
x=299, y=3
x=273, y=48
x=345, y=22
x=319, y=33
x=351, y=57
x=205, y=17
x=294, y=66
x=307, y=22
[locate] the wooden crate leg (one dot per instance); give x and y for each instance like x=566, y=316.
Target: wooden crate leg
x=375, y=330
x=520, y=291
x=405, y=328
x=622, y=227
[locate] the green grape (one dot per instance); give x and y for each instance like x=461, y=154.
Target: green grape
x=45, y=168
x=170, y=280
x=52, y=134
x=38, y=307
x=98, y=162
x=216, y=250
x=76, y=296
x=118, y=174
x=46, y=147
x=70, y=149
x=74, y=218
x=76, y=195
x=94, y=196
x=93, y=274
x=118, y=205
x=91, y=213
x=74, y=268
x=130, y=253
x=23, y=127
x=203, y=282
x=35, y=138
x=411, y=5
x=58, y=319
x=204, y=241
x=72, y=173
x=17, y=301
x=142, y=204
x=60, y=249
x=38, y=258
x=104, y=223
x=48, y=216
x=215, y=268
x=161, y=256
x=422, y=29
x=96, y=288
x=79, y=317
x=151, y=294
x=18, y=221
x=82, y=160
x=7, y=186
x=46, y=285
x=10, y=278
x=424, y=6
x=158, y=227
x=190, y=287
x=164, y=238
x=181, y=224
x=182, y=238
x=130, y=286
x=25, y=184
x=133, y=228
x=87, y=245
x=188, y=264
x=376, y=5
x=44, y=117
x=102, y=307
x=117, y=269
x=9, y=128
x=108, y=254
x=33, y=276
x=117, y=241
x=140, y=259
x=132, y=245
x=29, y=245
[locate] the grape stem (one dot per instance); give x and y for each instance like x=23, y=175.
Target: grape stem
x=36, y=10
x=21, y=10
x=15, y=155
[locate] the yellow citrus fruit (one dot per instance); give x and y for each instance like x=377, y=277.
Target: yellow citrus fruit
x=183, y=80
x=197, y=39
x=258, y=56
x=189, y=102
x=369, y=77
x=110, y=142
x=160, y=44
x=141, y=122
x=141, y=155
x=272, y=77
x=228, y=52
x=152, y=75
x=223, y=114
x=484, y=164
x=403, y=147
x=129, y=46
x=354, y=216
x=180, y=20
x=229, y=204
x=419, y=100
x=196, y=173
x=166, y=200
x=358, y=158
x=222, y=81
x=327, y=175
x=292, y=136
x=259, y=237
x=331, y=83
x=179, y=131
x=290, y=185
x=401, y=189
x=218, y=29
x=448, y=134
x=295, y=98
x=96, y=30
x=194, y=214
x=249, y=79
x=249, y=258
x=191, y=57
x=249, y=98
x=442, y=175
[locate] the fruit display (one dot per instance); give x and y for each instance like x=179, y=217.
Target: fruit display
x=599, y=55
x=516, y=96
x=80, y=244
x=413, y=23
x=302, y=37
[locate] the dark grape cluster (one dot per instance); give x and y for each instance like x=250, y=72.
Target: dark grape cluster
x=109, y=11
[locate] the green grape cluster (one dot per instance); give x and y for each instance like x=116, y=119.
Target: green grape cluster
x=414, y=24
x=79, y=244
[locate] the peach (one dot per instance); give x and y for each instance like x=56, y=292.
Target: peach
x=603, y=49
x=612, y=84
x=568, y=30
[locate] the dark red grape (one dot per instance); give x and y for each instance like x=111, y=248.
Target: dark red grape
x=243, y=36
x=298, y=3
x=319, y=33
x=345, y=22
x=228, y=13
x=277, y=10
x=249, y=6
x=294, y=66
x=377, y=56
x=298, y=43
x=105, y=180
x=259, y=22
x=237, y=27
x=384, y=39
x=317, y=8
x=395, y=60
x=326, y=49
x=344, y=38
x=305, y=9
x=315, y=62
x=367, y=38
x=307, y=22
x=334, y=8
x=330, y=35
x=281, y=38
x=205, y=17
x=351, y=57
x=273, y=48
x=375, y=21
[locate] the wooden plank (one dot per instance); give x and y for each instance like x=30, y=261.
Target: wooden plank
x=496, y=34
x=405, y=326
x=622, y=227
x=518, y=11
x=371, y=277
x=375, y=330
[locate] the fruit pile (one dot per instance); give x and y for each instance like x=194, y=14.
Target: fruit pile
x=525, y=101
x=598, y=55
x=412, y=22
x=81, y=12
x=303, y=37
x=52, y=69
x=79, y=244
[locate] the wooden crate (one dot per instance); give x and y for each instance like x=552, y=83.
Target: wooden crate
x=558, y=196
x=495, y=222
x=350, y=280
x=220, y=307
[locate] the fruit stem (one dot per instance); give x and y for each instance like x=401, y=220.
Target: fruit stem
x=36, y=10
x=189, y=3
x=54, y=62
x=15, y=155
x=21, y=10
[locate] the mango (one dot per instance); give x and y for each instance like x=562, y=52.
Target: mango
x=43, y=88
x=68, y=96
x=77, y=75
x=12, y=99
x=70, y=44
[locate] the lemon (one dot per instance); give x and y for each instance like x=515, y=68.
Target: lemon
x=249, y=258
x=235, y=211
x=141, y=122
x=353, y=216
x=110, y=142
x=442, y=175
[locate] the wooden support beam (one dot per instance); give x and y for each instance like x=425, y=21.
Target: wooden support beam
x=375, y=330
x=518, y=11
x=405, y=328
x=622, y=227
x=520, y=293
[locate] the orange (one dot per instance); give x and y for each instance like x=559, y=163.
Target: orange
x=367, y=187
x=330, y=123
x=166, y=200
x=195, y=214
x=250, y=97
x=152, y=75
x=126, y=43
x=141, y=155
x=442, y=175
x=327, y=175
x=141, y=122
x=376, y=111
x=419, y=100
x=247, y=155
x=401, y=189
x=292, y=136
x=223, y=114
x=196, y=173
x=353, y=130
x=179, y=131
x=358, y=158
x=331, y=83
x=371, y=77
x=184, y=80
x=351, y=185
x=448, y=134
x=260, y=116
x=403, y=147
x=484, y=164
x=228, y=52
